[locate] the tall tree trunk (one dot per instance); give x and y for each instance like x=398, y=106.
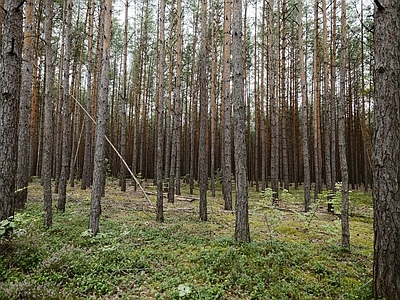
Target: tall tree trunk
x=257, y=110
x=193, y=111
x=87, y=160
x=62, y=195
x=213, y=96
x=317, y=108
x=10, y=84
x=304, y=112
x=23, y=173
x=170, y=115
x=274, y=109
x=263, y=128
x=226, y=110
x=34, y=115
x=333, y=95
x=102, y=112
x=203, y=165
x=283, y=96
x=342, y=138
x=242, y=229
x=326, y=100
x=48, y=117
x=176, y=141
x=386, y=172
x=365, y=140
x=122, y=103
x=160, y=113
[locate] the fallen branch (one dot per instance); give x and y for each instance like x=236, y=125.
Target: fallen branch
x=116, y=151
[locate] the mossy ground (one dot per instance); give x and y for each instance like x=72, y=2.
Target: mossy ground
x=293, y=255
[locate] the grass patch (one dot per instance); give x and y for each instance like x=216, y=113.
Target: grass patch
x=292, y=255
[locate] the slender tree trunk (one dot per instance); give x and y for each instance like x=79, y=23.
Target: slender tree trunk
x=333, y=95
x=386, y=156
x=213, y=98
x=203, y=165
x=326, y=100
x=123, y=98
x=102, y=113
x=62, y=195
x=242, y=229
x=257, y=110
x=263, y=128
x=304, y=117
x=87, y=160
x=160, y=113
x=342, y=138
x=176, y=142
x=226, y=110
x=365, y=140
x=10, y=84
x=317, y=118
x=48, y=117
x=285, y=163
x=169, y=120
x=23, y=173
x=34, y=115
x=274, y=110
x=193, y=111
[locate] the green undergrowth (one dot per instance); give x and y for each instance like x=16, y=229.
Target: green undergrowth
x=293, y=255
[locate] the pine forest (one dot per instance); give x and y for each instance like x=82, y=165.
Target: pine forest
x=261, y=138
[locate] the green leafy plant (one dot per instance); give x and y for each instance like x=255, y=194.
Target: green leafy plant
x=6, y=226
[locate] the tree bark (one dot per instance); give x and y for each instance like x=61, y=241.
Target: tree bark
x=274, y=110
x=242, y=229
x=226, y=167
x=10, y=84
x=386, y=156
x=102, y=112
x=203, y=165
x=65, y=112
x=175, y=172
x=160, y=114
x=342, y=138
x=326, y=101
x=304, y=116
x=123, y=98
x=23, y=173
x=48, y=117
x=87, y=160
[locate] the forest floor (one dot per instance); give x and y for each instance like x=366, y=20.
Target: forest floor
x=292, y=255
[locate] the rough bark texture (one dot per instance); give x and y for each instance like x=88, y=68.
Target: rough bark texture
x=174, y=174
x=342, y=139
x=274, y=110
x=65, y=111
x=123, y=99
x=242, y=229
x=178, y=105
x=386, y=156
x=87, y=160
x=160, y=114
x=203, y=166
x=283, y=100
x=304, y=112
x=48, y=117
x=102, y=112
x=23, y=173
x=226, y=167
x=10, y=84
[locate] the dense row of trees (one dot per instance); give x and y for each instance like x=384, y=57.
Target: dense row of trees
x=270, y=93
